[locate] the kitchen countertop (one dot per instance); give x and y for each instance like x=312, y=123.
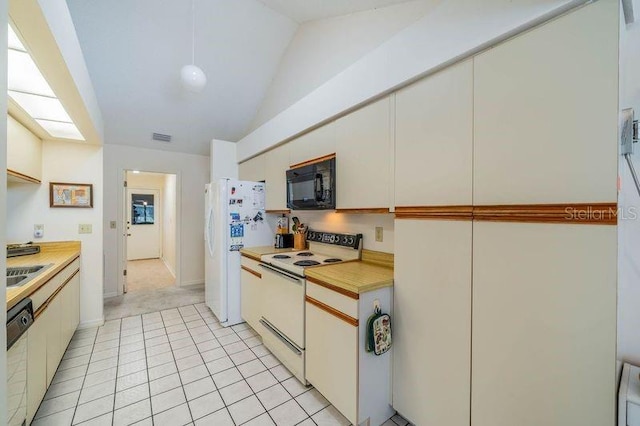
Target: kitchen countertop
x=355, y=276
x=256, y=252
x=59, y=253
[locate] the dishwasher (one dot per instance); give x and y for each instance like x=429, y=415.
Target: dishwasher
x=19, y=319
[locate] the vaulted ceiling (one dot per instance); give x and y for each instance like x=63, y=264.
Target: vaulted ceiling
x=134, y=51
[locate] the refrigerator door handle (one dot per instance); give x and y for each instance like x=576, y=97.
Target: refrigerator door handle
x=210, y=232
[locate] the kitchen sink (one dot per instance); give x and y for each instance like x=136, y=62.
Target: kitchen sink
x=20, y=275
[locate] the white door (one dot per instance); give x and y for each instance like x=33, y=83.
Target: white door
x=143, y=223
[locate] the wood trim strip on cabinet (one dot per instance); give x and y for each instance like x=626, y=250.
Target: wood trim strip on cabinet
x=251, y=271
x=46, y=303
x=373, y=210
x=572, y=213
x=22, y=176
x=250, y=256
x=335, y=288
x=336, y=313
x=577, y=213
x=435, y=212
x=313, y=161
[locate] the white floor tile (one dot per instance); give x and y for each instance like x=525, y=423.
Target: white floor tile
x=205, y=405
x=246, y=334
x=270, y=361
x=132, y=347
x=57, y=419
x=307, y=422
x=158, y=349
x=132, y=367
x=90, y=393
x=163, y=358
x=103, y=364
x=164, y=384
x=70, y=373
x=253, y=342
x=100, y=377
x=74, y=362
x=64, y=388
x=261, y=381
x=227, y=331
x=235, y=392
x=281, y=373
x=204, y=336
x=273, y=396
x=109, y=344
x=213, y=354
x=134, y=338
x=189, y=362
x=162, y=370
x=240, y=327
x=242, y=357
x=312, y=401
x=245, y=410
x=131, y=357
x=294, y=387
x=157, y=332
x=156, y=341
x=132, y=395
x=330, y=417
x=219, y=418
x=93, y=409
x=58, y=404
x=167, y=400
x=260, y=350
x=251, y=368
x=229, y=339
x=175, y=328
x=186, y=352
x=219, y=365
x=131, y=380
x=132, y=413
x=176, y=416
x=102, y=355
x=199, y=387
x=226, y=377
x=78, y=343
x=72, y=353
x=288, y=414
x=263, y=420
x=193, y=374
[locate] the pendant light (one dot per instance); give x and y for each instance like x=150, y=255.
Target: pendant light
x=191, y=76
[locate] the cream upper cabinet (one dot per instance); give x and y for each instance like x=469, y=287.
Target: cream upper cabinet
x=434, y=139
x=544, y=324
x=276, y=165
x=24, y=152
x=363, y=157
x=315, y=144
x=546, y=113
x=252, y=169
x=432, y=321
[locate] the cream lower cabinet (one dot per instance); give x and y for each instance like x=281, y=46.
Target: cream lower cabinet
x=251, y=292
x=544, y=324
x=432, y=321
x=357, y=383
x=50, y=334
x=363, y=152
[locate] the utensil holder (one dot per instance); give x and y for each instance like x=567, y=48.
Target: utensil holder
x=299, y=241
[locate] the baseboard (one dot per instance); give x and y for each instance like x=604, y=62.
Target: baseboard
x=91, y=324
x=193, y=282
x=108, y=295
x=171, y=271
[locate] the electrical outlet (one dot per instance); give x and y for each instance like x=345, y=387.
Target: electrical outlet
x=379, y=234
x=85, y=228
x=112, y=224
x=38, y=231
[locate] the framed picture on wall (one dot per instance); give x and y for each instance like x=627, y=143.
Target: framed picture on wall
x=70, y=195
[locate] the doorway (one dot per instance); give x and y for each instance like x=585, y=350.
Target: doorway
x=150, y=244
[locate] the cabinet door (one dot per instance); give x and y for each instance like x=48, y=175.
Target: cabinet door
x=546, y=113
x=544, y=324
x=24, y=150
x=36, y=364
x=432, y=321
x=315, y=144
x=53, y=325
x=252, y=170
x=363, y=157
x=332, y=359
x=276, y=165
x=434, y=139
x=250, y=293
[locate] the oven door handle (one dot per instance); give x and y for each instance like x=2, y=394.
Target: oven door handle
x=278, y=334
x=285, y=275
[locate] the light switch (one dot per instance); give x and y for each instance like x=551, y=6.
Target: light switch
x=112, y=224
x=85, y=228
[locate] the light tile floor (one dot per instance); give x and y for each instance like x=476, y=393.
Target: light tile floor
x=178, y=367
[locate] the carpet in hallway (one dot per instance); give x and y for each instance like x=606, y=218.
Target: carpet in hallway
x=148, y=274
x=145, y=301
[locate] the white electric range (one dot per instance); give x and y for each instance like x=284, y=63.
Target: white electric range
x=284, y=287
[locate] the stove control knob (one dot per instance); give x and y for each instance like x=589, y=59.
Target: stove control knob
x=332, y=239
x=351, y=240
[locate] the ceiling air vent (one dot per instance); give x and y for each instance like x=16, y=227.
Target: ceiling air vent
x=162, y=138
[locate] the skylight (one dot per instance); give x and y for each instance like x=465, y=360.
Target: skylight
x=29, y=89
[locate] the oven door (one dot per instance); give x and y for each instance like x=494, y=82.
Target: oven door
x=284, y=306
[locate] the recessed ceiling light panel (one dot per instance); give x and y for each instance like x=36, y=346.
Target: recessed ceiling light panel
x=61, y=130
x=41, y=106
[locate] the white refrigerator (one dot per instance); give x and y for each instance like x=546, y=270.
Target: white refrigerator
x=234, y=218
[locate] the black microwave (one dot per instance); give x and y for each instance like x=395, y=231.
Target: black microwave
x=312, y=187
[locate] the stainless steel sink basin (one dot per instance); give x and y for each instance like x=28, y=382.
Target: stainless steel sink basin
x=20, y=275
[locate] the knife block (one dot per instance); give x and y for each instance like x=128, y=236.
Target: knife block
x=299, y=241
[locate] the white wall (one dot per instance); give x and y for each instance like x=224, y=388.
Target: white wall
x=364, y=224
x=223, y=160
x=629, y=202
x=192, y=173
x=322, y=48
x=453, y=30
x=28, y=204
x=3, y=189
x=169, y=223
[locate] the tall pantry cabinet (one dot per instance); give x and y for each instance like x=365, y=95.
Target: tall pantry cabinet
x=505, y=299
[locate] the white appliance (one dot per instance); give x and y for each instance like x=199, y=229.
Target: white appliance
x=284, y=286
x=234, y=218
